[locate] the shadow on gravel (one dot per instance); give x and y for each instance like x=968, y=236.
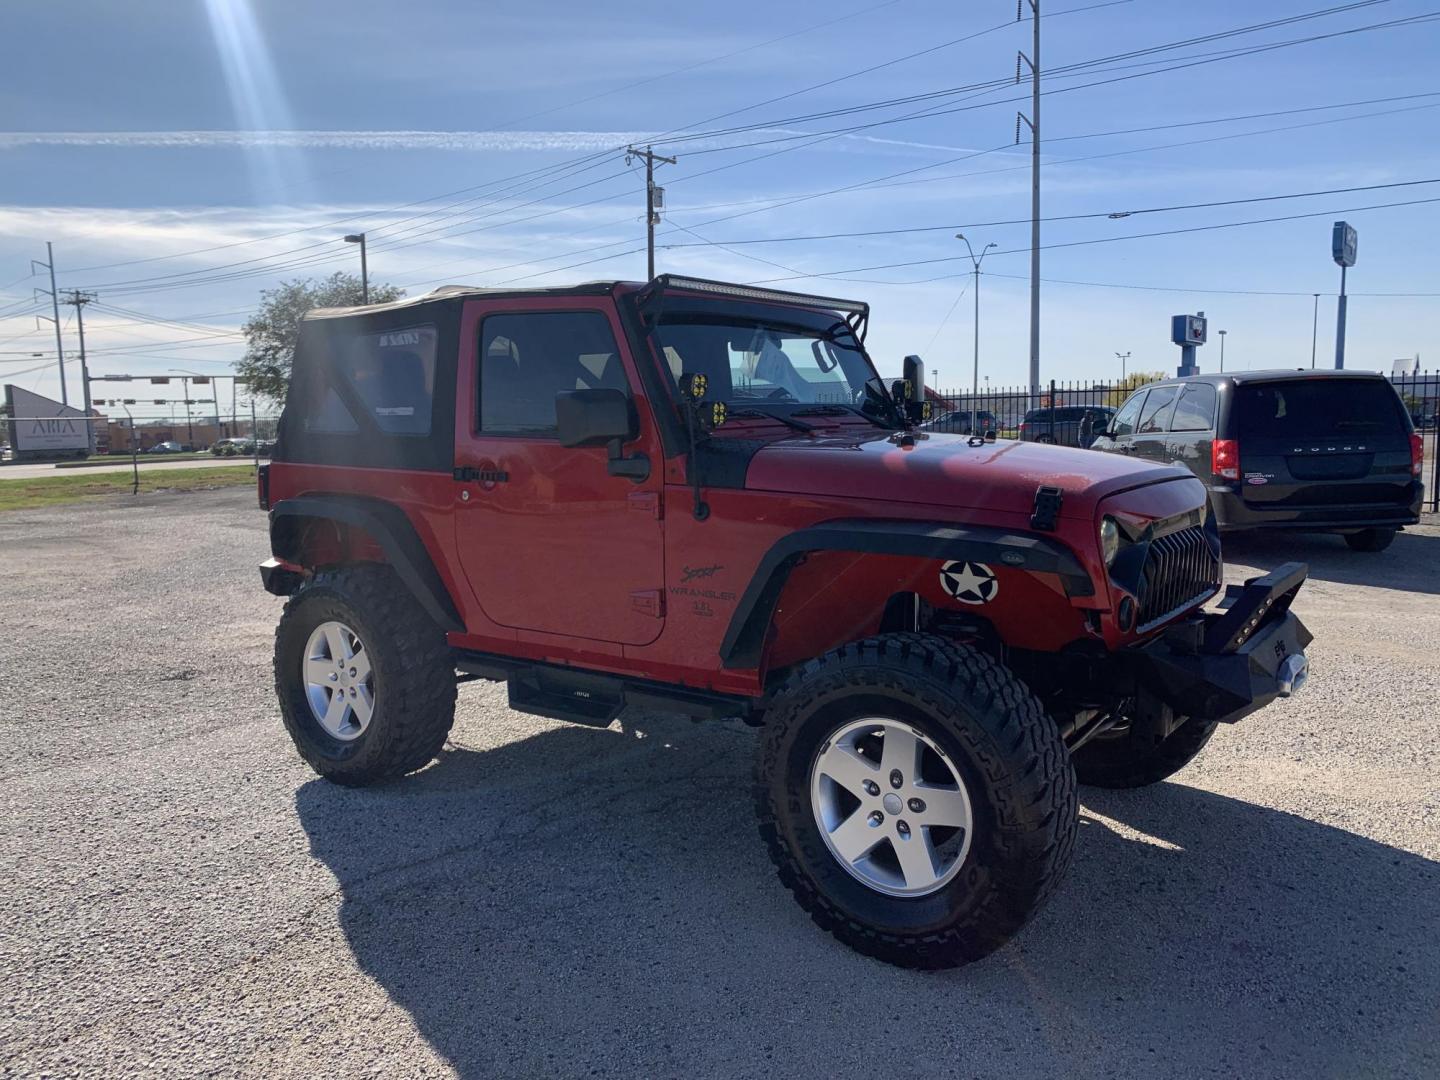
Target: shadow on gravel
x=1410, y=564
x=597, y=903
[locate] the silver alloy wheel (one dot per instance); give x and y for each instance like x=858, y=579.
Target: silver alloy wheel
x=339, y=684
x=891, y=807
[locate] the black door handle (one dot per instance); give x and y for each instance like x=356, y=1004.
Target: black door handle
x=470, y=475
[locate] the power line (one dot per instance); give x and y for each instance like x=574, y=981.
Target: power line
x=1065, y=217
x=1106, y=240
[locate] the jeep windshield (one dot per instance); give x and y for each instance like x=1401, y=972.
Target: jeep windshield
x=771, y=361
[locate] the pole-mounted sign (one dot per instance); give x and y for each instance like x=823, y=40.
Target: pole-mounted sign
x=1188, y=331
x=1344, y=246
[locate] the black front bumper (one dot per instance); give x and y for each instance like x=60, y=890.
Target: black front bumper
x=1224, y=665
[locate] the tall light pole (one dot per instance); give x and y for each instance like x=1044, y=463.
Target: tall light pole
x=975, y=260
x=1314, y=328
x=1222, y=349
x=359, y=238
x=1123, y=356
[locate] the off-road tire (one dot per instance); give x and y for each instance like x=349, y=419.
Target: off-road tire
x=1012, y=761
x=414, y=675
x=1370, y=539
x=1126, y=761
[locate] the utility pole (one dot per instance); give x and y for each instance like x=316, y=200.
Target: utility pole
x=79, y=299
x=654, y=201
x=976, y=261
x=1033, y=121
x=54, y=295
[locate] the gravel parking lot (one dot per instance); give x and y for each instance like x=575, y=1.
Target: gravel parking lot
x=182, y=896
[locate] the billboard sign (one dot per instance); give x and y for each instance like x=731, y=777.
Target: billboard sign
x=1188, y=329
x=42, y=426
x=1344, y=244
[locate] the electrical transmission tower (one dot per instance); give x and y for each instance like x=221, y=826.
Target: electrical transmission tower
x=1033, y=121
x=54, y=295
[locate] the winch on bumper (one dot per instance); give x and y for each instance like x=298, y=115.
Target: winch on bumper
x=1224, y=665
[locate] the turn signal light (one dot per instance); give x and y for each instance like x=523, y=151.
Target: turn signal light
x=1417, y=452
x=1225, y=458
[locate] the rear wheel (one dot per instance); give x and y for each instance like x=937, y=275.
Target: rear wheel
x=915, y=798
x=1370, y=539
x=1129, y=759
x=365, y=680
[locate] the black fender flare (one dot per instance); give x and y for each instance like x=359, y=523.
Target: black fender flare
x=744, y=639
x=390, y=527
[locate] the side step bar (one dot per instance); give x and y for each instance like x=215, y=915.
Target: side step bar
x=591, y=698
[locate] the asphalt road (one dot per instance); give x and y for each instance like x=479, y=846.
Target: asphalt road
x=10, y=471
x=182, y=897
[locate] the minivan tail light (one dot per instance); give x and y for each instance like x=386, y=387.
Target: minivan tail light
x=1225, y=458
x=1417, y=452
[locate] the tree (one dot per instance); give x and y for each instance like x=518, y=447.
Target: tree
x=271, y=332
x=1132, y=382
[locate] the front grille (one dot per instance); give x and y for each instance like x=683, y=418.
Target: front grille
x=1180, y=571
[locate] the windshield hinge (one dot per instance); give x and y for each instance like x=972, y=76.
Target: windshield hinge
x=1047, y=508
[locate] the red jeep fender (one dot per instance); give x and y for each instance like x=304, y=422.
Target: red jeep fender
x=745, y=637
x=386, y=526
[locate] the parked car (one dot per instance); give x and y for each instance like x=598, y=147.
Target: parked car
x=233, y=446
x=1330, y=451
x=701, y=497
x=1065, y=425
x=167, y=447
x=960, y=422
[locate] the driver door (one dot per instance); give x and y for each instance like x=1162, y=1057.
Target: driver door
x=549, y=541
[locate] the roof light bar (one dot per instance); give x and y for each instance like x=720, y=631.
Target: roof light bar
x=747, y=292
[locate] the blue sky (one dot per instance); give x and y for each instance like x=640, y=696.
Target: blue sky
x=232, y=142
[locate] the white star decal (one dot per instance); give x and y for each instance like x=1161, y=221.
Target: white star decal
x=970, y=583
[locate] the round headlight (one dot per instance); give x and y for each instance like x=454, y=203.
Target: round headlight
x=1109, y=540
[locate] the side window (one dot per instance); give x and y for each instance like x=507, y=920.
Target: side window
x=526, y=359
x=1156, y=412
x=393, y=375
x=1195, y=411
x=1125, y=418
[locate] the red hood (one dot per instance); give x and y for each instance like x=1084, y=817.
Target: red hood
x=945, y=470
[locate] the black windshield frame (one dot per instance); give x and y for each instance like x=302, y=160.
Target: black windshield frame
x=741, y=317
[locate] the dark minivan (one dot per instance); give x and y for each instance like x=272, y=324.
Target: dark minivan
x=1330, y=451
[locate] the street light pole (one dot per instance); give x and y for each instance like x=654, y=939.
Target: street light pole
x=1124, y=356
x=975, y=261
x=359, y=238
x=1222, y=350
x=1314, y=328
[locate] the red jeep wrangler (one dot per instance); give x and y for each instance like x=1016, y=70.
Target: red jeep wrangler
x=700, y=497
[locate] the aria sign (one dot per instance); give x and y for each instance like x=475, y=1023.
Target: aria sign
x=44, y=426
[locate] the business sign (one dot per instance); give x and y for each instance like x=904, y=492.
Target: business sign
x=1187, y=329
x=1344, y=244
x=40, y=425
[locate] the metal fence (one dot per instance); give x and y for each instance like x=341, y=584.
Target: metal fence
x=1075, y=413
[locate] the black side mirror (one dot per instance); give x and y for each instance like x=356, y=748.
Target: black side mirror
x=601, y=418
x=913, y=372
x=594, y=417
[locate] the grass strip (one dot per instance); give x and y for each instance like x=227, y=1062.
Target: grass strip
x=53, y=490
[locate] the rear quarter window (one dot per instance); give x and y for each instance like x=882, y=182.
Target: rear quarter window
x=1195, y=411
x=391, y=376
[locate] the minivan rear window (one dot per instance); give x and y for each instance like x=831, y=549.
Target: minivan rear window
x=1316, y=409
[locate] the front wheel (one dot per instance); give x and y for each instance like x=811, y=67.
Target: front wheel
x=1370, y=539
x=915, y=798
